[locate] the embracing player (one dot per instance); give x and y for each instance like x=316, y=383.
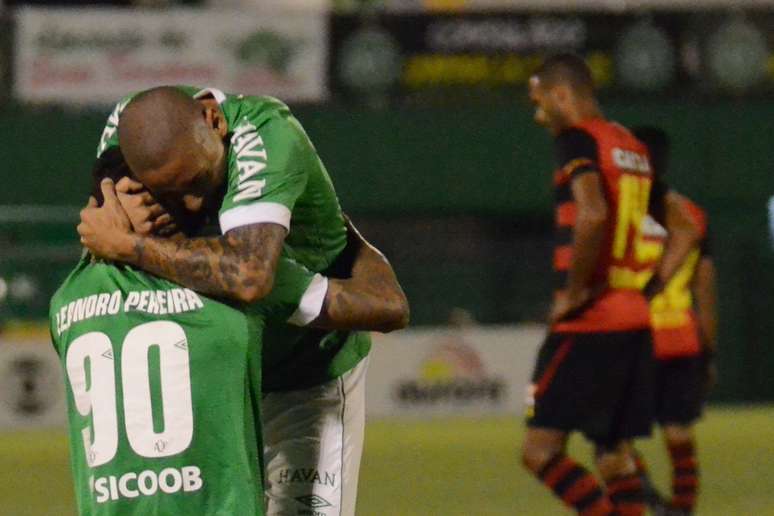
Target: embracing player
x=594, y=371
x=162, y=406
x=684, y=322
x=198, y=150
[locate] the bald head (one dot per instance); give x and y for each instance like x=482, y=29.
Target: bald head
x=157, y=124
x=567, y=69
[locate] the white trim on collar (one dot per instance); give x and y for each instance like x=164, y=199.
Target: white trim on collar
x=219, y=95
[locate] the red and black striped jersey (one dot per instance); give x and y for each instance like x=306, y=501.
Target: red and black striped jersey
x=606, y=148
x=674, y=323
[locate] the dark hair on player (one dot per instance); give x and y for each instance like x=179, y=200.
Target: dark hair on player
x=154, y=124
x=568, y=69
x=110, y=164
x=657, y=142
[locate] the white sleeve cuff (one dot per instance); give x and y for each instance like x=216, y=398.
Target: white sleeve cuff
x=255, y=213
x=311, y=302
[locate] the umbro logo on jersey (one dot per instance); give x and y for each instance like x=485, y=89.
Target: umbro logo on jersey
x=314, y=501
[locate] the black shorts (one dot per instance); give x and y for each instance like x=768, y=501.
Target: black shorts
x=680, y=389
x=600, y=384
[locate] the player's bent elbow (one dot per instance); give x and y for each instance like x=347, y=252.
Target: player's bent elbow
x=399, y=315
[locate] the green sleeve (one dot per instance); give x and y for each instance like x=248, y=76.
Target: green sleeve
x=297, y=296
x=109, y=136
x=268, y=170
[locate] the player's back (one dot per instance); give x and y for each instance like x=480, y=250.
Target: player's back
x=158, y=395
x=675, y=328
x=626, y=176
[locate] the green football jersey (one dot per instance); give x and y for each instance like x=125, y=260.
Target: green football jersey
x=275, y=175
x=161, y=397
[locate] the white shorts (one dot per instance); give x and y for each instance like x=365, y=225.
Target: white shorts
x=313, y=441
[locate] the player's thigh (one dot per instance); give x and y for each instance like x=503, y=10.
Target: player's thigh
x=576, y=384
x=312, y=446
x=680, y=391
x=634, y=415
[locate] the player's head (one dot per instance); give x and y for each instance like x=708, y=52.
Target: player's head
x=657, y=142
x=174, y=145
x=110, y=164
x=562, y=91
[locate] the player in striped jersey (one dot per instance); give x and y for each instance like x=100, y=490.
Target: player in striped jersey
x=684, y=321
x=594, y=371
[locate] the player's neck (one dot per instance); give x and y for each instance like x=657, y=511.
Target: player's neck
x=584, y=111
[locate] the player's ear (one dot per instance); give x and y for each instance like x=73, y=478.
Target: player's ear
x=215, y=119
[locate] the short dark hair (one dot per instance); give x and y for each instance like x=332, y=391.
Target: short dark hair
x=657, y=142
x=110, y=164
x=566, y=68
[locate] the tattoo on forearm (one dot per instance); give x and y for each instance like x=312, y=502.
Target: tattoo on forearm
x=243, y=258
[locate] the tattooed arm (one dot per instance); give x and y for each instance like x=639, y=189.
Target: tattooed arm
x=371, y=299
x=239, y=265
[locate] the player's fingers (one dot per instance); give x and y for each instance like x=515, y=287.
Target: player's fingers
x=129, y=185
x=108, y=190
x=168, y=230
x=162, y=220
x=156, y=210
x=82, y=230
x=92, y=202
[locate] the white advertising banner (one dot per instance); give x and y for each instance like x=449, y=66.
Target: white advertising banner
x=31, y=388
x=96, y=56
x=452, y=372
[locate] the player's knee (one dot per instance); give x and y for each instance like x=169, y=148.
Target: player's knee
x=678, y=434
x=615, y=461
x=534, y=456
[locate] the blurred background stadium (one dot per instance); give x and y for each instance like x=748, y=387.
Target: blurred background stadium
x=419, y=110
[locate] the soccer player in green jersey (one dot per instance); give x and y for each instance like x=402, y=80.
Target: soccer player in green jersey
x=162, y=410
x=249, y=157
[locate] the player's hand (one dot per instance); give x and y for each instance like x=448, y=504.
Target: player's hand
x=106, y=230
x=571, y=304
x=146, y=215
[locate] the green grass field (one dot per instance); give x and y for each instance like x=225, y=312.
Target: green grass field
x=450, y=467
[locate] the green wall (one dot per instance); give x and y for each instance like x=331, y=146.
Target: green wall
x=470, y=160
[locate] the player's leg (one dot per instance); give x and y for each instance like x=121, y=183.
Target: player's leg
x=653, y=498
x=655, y=501
x=557, y=406
x=682, y=407
x=543, y=454
x=313, y=441
x=617, y=467
x=681, y=444
x=631, y=417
